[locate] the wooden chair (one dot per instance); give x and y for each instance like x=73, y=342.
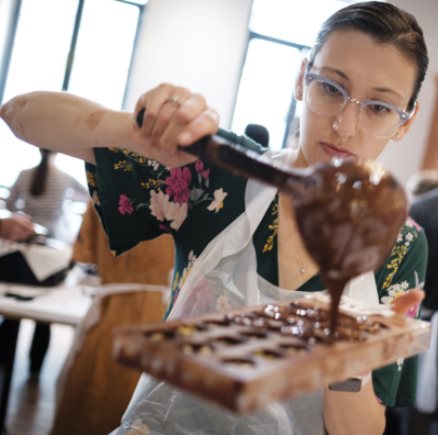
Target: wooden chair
x=93, y=390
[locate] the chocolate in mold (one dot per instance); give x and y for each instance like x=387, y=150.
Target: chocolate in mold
x=349, y=211
x=196, y=348
x=239, y=363
x=259, y=365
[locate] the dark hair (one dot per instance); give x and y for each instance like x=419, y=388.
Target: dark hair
x=259, y=133
x=424, y=186
x=384, y=23
x=422, y=181
x=40, y=174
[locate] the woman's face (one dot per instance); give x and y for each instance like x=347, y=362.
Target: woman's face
x=366, y=69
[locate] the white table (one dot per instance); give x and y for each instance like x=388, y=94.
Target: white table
x=65, y=304
x=61, y=304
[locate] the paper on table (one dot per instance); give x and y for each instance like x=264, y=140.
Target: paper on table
x=44, y=261
x=24, y=292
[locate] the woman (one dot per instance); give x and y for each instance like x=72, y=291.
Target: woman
x=371, y=59
x=40, y=193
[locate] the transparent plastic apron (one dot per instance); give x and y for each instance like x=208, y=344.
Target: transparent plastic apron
x=225, y=277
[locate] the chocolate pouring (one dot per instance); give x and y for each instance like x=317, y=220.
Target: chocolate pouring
x=349, y=211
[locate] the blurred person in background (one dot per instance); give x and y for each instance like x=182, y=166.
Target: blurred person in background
x=423, y=189
x=40, y=194
x=14, y=228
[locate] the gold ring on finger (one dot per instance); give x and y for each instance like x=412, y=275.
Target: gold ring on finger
x=174, y=100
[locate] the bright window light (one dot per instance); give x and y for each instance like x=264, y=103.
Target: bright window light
x=39, y=61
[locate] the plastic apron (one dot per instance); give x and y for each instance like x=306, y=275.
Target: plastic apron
x=225, y=277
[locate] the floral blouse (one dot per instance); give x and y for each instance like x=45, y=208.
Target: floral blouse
x=138, y=199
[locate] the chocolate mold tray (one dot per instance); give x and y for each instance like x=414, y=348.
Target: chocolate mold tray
x=248, y=358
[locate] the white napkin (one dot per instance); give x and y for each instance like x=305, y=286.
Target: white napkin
x=44, y=261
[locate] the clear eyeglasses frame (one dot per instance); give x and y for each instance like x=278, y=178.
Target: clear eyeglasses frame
x=378, y=118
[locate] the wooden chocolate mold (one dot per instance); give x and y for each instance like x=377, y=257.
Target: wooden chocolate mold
x=248, y=358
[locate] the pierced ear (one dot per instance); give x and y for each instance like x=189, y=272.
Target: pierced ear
x=401, y=132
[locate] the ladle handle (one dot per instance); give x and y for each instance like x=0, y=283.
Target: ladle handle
x=243, y=162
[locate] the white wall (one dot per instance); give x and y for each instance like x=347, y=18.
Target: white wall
x=405, y=157
x=194, y=43
x=200, y=44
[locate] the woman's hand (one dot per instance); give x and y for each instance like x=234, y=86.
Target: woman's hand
x=408, y=302
x=73, y=125
x=168, y=116
x=16, y=228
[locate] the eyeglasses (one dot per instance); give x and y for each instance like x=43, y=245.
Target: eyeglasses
x=326, y=97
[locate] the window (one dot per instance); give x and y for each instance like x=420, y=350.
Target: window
x=82, y=46
x=280, y=33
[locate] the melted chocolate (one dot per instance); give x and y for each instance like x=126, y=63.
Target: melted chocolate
x=351, y=223
x=308, y=323
x=349, y=212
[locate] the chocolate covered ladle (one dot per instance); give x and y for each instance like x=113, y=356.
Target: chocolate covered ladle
x=349, y=211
